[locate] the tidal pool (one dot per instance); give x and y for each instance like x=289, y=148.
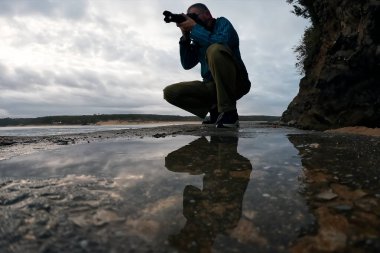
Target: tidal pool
x=183, y=194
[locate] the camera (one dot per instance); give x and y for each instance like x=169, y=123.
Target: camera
x=177, y=18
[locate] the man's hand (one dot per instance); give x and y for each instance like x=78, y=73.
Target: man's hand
x=187, y=25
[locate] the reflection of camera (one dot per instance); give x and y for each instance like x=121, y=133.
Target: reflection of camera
x=177, y=18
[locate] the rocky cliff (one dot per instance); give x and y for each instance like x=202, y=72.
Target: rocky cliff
x=341, y=83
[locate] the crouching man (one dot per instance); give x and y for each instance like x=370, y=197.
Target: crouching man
x=214, y=43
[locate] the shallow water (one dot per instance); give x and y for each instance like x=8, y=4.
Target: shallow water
x=266, y=193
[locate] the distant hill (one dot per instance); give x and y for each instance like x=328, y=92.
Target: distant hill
x=96, y=118
x=259, y=118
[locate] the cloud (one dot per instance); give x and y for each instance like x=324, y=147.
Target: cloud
x=70, y=57
x=72, y=9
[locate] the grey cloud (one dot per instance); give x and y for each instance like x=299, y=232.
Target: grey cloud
x=53, y=8
x=71, y=93
x=132, y=60
x=5, y=81
x=18, y=79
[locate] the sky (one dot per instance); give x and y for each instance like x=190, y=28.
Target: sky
x=84, y=57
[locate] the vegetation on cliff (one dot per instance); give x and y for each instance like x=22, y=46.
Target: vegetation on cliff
x=310, y=42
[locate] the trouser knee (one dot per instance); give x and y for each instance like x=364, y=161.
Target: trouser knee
x=172, y=93
x=168, y=93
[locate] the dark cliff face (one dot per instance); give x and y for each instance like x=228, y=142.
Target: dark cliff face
x=341, y=86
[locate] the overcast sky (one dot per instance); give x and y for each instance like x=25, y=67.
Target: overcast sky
x=115, y=56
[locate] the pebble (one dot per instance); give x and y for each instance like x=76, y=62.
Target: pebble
x=327, y=195
x=314, y=145
x=84, y=244
x=342, y=207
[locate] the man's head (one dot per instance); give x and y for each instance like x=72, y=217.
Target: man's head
x=202, y=12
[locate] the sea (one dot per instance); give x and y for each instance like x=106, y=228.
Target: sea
x=71, y=129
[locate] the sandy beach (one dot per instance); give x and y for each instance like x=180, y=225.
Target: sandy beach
x=357, y=130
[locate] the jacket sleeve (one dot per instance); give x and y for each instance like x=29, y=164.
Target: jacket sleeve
x=189, y=54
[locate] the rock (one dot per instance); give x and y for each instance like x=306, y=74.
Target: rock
x=105, y=216
x=61, y=142
x=342, y=207
x=327, y=195
x=159, y=135
x=246, y=232
x=7, y=143
x=341, y=84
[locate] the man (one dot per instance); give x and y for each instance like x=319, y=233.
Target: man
x=214, y=44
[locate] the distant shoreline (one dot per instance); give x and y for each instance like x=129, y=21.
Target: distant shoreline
x=108, y=123
x=115, y=119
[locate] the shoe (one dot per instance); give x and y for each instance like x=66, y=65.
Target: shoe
x=228, y=120
x=214, y=114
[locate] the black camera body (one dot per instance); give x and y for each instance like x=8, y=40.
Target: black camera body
x=177, y=18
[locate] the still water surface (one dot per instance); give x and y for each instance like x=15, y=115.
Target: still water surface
x=189, y=192
x=173, y=194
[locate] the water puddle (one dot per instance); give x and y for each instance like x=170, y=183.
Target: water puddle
x=266, y=193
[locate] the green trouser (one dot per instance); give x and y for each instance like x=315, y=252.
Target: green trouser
x=227, y=87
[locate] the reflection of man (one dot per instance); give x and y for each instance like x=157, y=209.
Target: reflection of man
x=214, y=43
x=217, y=207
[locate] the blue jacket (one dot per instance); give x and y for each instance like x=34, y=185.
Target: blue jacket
x=201, y=38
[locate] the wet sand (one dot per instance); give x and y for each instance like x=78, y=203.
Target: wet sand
x=190, y=188
x=12, y=146
x=357, y=130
